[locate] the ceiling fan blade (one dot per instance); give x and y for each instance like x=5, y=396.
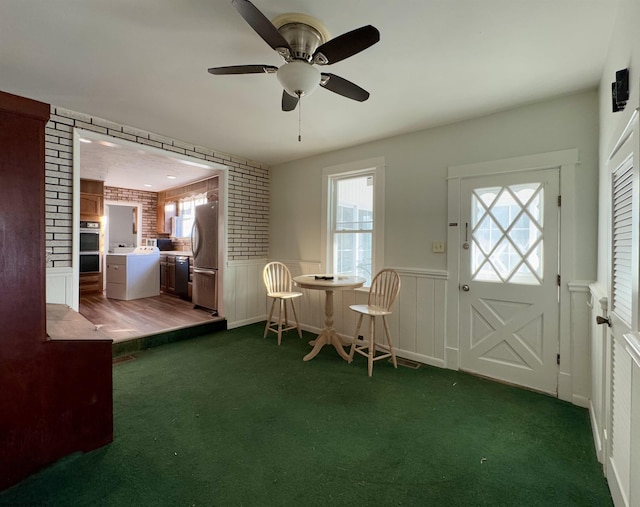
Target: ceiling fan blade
x=289, y=103
x=348, y=44
x=243, y=69
x=261, y=24
x=341, y=86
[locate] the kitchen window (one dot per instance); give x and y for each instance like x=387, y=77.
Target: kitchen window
x=187, y=214
x=353, y=219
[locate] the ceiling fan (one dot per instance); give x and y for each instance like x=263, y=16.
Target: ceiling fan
x=303, y=42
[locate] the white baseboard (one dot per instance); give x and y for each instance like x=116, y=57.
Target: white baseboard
x=245, y=322
x=581, y=401
x=618, y=496
x=595, y=430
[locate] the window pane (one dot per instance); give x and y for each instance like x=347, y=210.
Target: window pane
x=352, y=254
x=188, y=214
x=354, y=201
x=507, y=234
x=353, y=226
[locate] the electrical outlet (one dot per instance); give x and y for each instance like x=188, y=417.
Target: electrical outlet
x=438, y=246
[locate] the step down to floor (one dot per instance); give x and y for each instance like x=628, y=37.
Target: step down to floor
x=173, y=335
x=123, y=359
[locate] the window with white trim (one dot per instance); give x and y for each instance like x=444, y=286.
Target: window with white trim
x=187, y=215
x=353, y=219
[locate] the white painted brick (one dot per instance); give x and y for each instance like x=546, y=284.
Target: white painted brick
x=57, y=160
x=73, y=114
x=91, y=127
x=63, y=148
x=203, y=150
x=121, y=135
x=248, y=184
x=148, y=142
x=61, y=120
x=100, y=122
x=186, y=146
x=174, y=149
x=160, y=139
x=135, y=132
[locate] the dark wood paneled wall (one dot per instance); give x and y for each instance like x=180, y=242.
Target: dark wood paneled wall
x=55, y=396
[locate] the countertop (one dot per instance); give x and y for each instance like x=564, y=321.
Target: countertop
x=177, y=253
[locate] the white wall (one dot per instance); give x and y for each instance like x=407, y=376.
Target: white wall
x=416, y=215
x=416, y=190
x=624, y=52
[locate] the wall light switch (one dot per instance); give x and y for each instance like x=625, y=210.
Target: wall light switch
x=438, y=246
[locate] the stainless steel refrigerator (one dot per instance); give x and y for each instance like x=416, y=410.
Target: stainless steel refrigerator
x=204, y=244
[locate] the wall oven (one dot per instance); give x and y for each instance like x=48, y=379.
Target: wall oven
x=89, y=246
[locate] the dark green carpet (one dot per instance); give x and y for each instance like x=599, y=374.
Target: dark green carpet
x=232, y=419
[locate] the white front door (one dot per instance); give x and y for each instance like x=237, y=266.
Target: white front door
x=509, y=277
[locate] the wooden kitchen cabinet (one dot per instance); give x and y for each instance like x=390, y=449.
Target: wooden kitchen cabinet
x=90, y=283
x=91, y=199
x=168, y=274
x=91, y=205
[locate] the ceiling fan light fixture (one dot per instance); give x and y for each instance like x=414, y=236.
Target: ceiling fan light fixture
x=298, y=78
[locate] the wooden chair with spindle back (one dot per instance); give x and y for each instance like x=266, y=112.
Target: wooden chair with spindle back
x=383, y=292
x=277, y=280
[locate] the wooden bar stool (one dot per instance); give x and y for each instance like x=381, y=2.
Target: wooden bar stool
x=384, y=289
x=278, y=282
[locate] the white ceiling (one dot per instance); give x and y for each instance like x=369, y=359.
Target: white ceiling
x=144, y=63
x=128, y=165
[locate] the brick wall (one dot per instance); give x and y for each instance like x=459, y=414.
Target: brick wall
x=248, y=184
x=149, y=201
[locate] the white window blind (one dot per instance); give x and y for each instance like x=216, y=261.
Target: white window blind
x=622, y=235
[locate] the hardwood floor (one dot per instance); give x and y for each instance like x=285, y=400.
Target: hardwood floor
x=124, y=320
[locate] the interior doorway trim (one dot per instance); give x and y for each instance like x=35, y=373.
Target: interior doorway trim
x=130, y=204
x=566, y=161
x=222, y=172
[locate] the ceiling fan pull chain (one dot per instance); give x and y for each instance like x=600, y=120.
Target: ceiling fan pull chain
x=299, y=118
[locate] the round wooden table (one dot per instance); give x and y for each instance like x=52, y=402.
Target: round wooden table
x=329, y=284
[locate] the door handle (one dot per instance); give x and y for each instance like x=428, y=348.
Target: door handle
x=208, y=272
x=603, y=320
x=465, y=288
x=465, y=245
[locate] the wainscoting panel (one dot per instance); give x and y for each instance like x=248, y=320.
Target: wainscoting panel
x=418, y=322
x=60, y=287
x=600, y=360
x=421, y=315
x=577, y=368
x=244, y=293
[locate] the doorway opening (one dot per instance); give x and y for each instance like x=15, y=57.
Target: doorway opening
x=122, y=226
x=132, y=169
x=495, y=236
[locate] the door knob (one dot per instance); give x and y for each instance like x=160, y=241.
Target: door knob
x=465, y=288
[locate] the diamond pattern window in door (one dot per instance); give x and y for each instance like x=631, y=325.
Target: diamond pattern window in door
x=507, y=234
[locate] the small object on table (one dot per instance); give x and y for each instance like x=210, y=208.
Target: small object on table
x=329, y=284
